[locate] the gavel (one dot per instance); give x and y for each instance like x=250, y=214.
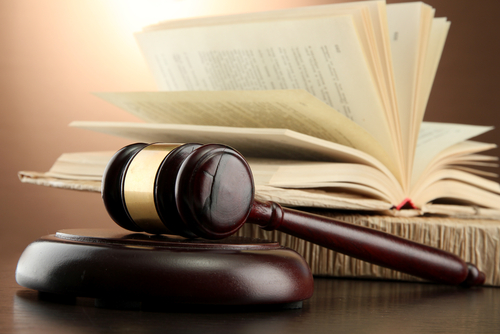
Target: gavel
x=208, y=191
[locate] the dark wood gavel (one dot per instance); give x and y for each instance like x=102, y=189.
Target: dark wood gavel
x=207, y=191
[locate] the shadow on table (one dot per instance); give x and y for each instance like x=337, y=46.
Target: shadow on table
x=338, y=305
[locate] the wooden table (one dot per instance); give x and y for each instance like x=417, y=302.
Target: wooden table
x=338, y=306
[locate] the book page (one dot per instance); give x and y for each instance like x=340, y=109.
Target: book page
x=334, y=9
x=437, y=39
x=329, y=177
x=435, y=137
x=345, y=188
x=479, y=160
x=409, y=28
x=259, y=56
x=457, y=175
x=460, y=192
x=251, y=142
x=320, y=199
x=457, y=156
x=462, y=153
x=370, y=21
x=369, y=18
x=335, y=175
x=80, y=165
x=478, y=172
x=295, y=110
x=463, y=211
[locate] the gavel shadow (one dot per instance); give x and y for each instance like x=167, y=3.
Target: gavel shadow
x=155, y=305
x=77, y=315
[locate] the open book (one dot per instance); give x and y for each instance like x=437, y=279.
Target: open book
x=327, y=102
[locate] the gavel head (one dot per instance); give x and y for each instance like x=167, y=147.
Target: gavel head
x=193, y=190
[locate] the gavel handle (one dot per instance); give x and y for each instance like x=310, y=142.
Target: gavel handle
x=368, y=244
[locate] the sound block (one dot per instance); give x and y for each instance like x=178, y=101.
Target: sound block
x=118, y=268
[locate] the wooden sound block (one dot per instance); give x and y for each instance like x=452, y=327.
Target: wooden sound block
x=119, y=268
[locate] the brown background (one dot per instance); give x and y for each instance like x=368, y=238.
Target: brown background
x=54, y=53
